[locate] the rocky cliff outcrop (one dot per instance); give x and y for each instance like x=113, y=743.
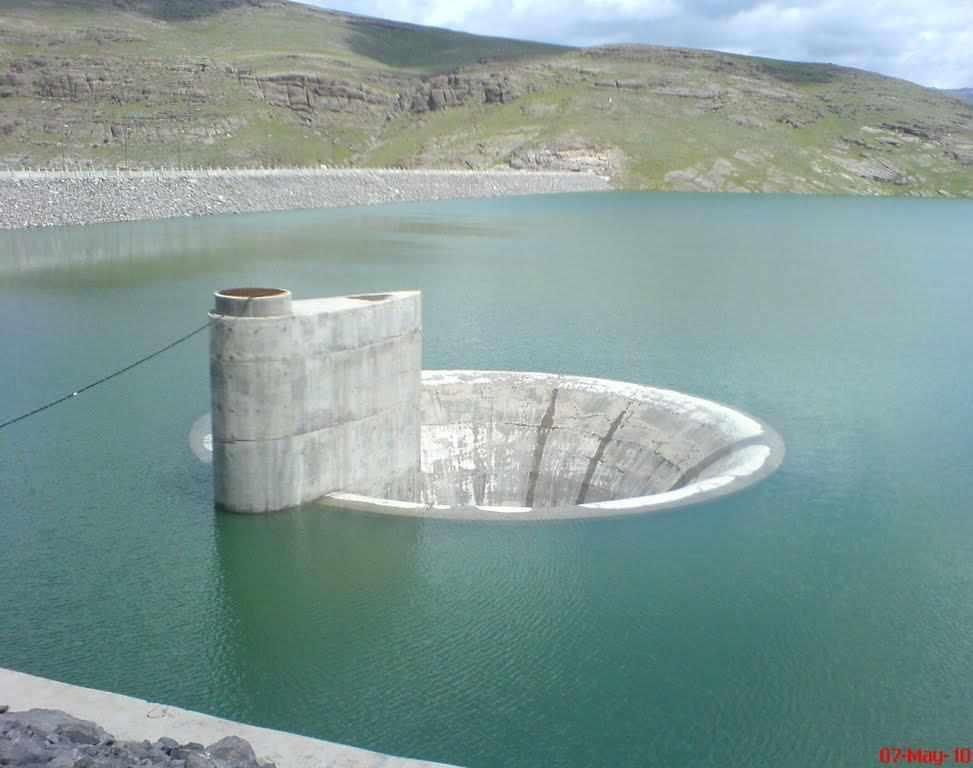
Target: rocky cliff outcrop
x=454, y=90
x=116, y=81
x=307, y=94
x=579, y=157
x=53, y=78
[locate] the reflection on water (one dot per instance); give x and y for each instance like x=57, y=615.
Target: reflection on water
x=341, y=619
x=139, y=250
x=304, y=593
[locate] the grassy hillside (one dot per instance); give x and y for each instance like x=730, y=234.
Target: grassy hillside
x=962, y=93
x=268, y=82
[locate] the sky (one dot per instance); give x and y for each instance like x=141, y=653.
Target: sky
x=926, y=41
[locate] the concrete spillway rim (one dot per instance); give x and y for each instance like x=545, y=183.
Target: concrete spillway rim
x=252, y=302
x=252, y=293
x=761, y=450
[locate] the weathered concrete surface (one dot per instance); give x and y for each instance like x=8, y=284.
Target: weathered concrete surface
x=509, y=445
x=133, y=719
x=45, y=199
x=322, y=399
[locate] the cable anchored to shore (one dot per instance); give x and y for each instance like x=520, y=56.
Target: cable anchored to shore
x=103, y=379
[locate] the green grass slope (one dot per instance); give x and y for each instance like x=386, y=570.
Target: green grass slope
x=269, y=82
x=966, y=94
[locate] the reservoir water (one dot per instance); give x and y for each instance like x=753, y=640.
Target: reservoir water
x=809, y=620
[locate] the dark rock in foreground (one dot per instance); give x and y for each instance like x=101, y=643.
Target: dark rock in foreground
x=48, y=737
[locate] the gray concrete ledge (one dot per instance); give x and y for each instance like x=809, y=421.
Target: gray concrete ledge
x=45, y=198
x=134, y=720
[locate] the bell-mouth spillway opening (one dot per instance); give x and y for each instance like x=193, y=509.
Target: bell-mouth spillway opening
x=515, y=445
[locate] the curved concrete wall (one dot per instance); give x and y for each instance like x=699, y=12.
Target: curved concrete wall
x=538, y=445
x=537, y=440
x=320, y=398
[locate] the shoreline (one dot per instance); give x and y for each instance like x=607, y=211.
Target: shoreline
x=32, y=199
x=133, y=719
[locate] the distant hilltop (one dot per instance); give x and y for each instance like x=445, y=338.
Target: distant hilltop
x=198, y=83
x=963, y=93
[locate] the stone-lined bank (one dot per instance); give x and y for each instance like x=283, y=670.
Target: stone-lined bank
x=153, y=734
x=37, y=737
x=43, y=198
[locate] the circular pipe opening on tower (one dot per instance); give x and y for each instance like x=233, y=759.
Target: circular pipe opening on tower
x=252, y=302
x=252, y=293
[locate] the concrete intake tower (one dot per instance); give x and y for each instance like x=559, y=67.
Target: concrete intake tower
x=326, y=400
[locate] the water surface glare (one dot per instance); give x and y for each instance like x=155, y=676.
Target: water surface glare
x=809, y=620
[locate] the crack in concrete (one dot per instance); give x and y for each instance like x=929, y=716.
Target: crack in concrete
x=599, y=452
x=543, y=430
x=480, y=479
x=700, y=466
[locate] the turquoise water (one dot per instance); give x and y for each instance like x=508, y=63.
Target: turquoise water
x=810, y=620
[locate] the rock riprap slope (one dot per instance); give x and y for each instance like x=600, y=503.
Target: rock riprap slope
x=39, y=199
x=147, y=83
x=47, y=737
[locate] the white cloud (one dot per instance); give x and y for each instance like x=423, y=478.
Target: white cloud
x=630, y=9
x=928, y=41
